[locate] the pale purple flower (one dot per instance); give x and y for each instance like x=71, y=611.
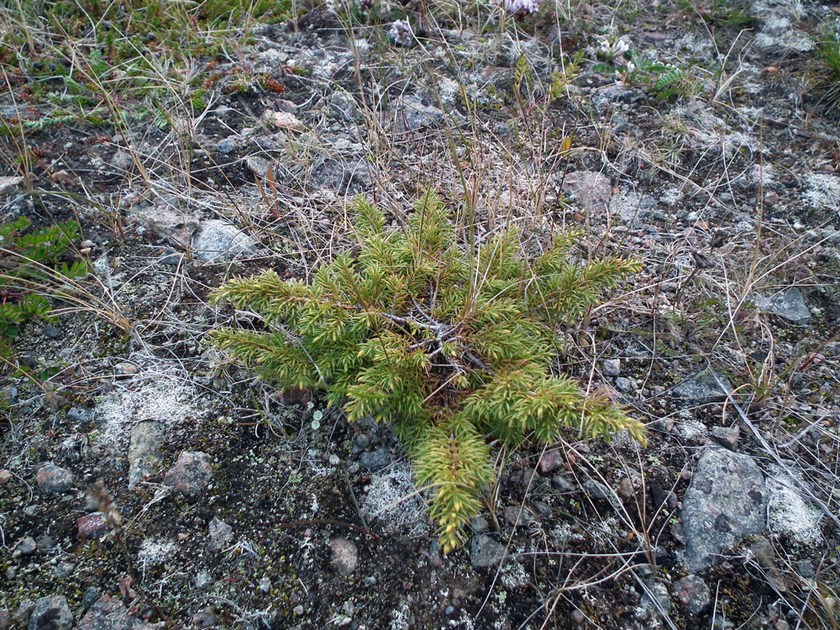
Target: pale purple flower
x=401, y=33
x=521, y=8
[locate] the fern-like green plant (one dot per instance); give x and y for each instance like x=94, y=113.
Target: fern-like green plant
x=29, y=262
x=452, y=345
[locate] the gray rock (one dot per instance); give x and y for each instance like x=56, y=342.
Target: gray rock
x=65, y=569
x=190, y=474
x=221, y=534
x=479, y=524
x=205, y=618
x=108, y=613
x=342, y=176
x=625, y=489
x=789, y=514
x=592, y=191
x=203, y=580
x=612, y=367
x=597, y=490
x=226, y=145
x=144, y=455
x=51, y=613
x=45, y=542
x=271, y=142
x=805, y=568
x=375, y=460
x=218, y=240
x=81, y=415
x=789, y=305
x=344, y=106
x=693, y=593
x=564, y=484
x=5, y=619
x=656, y=597
x=727, y=500
x=259, y=166
x=24, y=610
x=166, y=221
x=26, y=547
x=9, y=183
x=122, y=160
x=703, y=388
x=485, y=551
x=625, y=385
x=90, y=597
x=345, y=556
x=413, y=115
x=54, y=479
x=516, y=515
x=727, y=436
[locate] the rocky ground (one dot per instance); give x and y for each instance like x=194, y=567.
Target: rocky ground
x=145, y=481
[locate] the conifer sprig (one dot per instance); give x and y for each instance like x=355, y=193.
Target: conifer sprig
x=451, y=345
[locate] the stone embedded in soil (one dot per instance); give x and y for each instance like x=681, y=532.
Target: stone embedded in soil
x=479, y=524
x=54, y=479
x=413, y=115
x=342, y=176
x=693, y=593
x=656, y=597
x=226, y=145
x=788, y=513
x=218, y=240
x=166, y=221
x=108, y=613
x=625, y=385
x=345, y=556
x=9, y=183
x=144, y=455
x=5, y=475
x=591, y=189
x=486, y=551
x=51, y=613
x=376, y=460
x=550, y=461
x=92, y=526
x=703, y=388
x=122, y=161
x=5, y=619
x=726, y=501
x=563, y=484
x=727, y=436
x=190, y=474
x=517, y=515
x=789, y=305
x=220, y=533
x=81, y=415
x=612, y=367
x=26, y=547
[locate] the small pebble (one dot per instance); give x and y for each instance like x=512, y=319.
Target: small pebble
x=612, y=367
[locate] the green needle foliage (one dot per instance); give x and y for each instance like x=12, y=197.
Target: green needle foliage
x=29, y=262
x=450, y=344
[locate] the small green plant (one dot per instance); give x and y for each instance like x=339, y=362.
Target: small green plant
x=29, y=262
x=451, y=343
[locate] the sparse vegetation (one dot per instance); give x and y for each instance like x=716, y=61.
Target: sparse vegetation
x=30, y=262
